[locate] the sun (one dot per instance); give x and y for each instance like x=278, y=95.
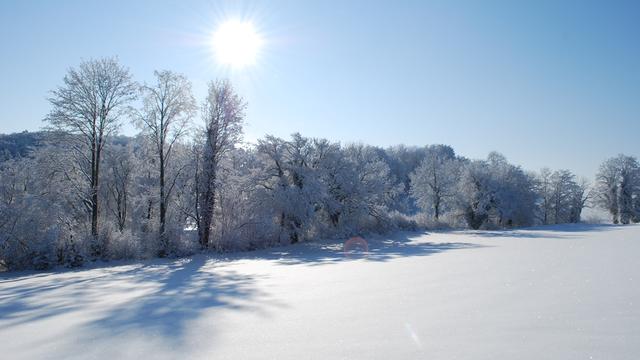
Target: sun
x=236, y=43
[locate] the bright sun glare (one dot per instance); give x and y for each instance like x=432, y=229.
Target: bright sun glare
x=236, y=43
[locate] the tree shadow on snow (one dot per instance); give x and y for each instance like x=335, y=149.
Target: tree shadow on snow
x=380, y=249
x=559, y=231
x=177, y=297
x=172, y=293
x=160, y=299
x=579, y=227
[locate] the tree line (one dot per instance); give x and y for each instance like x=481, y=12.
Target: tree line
x=184, y=183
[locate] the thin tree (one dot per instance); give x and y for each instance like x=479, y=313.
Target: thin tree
x=89, y=106
x=120, y=170
x=563, y=187
x=543, y=188
x=582, y=196
x=168, y=106
x=223, y=114
x=607, y=182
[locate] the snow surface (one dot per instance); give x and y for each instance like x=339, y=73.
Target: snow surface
x=564, y=292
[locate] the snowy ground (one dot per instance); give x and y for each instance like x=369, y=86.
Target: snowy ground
x=566, y=292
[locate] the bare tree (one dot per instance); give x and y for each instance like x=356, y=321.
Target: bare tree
x=563, y=189
x=543, y=188
x=89, y=106
x=223, y=114
x=582, y=196
x=120, y=170
x=168, y=106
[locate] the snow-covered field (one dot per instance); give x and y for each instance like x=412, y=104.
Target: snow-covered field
x=565, y=292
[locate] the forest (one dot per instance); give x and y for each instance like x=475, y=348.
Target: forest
x=77, y=191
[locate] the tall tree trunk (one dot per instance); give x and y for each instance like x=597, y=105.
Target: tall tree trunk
x=94, y=191
x=163, y=207
x=95, y=176
x=208, y=206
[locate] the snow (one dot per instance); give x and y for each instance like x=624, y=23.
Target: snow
x=556, y=292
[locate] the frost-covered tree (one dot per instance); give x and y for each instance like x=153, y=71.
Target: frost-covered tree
x=563, y=189
x=88, y=107
x=475, y=193
x=82, y=192
x=40, y=217
x=515, y=194
x=628, y=187
x=433, y=182
x=562, y=196
x=636, y=201
x=223, y=114
x=495, y=193
x=22, y=204
x=292, y=183
x=581, y=198
x=120, y=170
x=403, y=161
x=374, y=189
x=145, y=207
x=316, y=187
x=274, y=182
x=607, y=184
x=243, y=220
x=167, y=108
x=544, y=191
x=618, y=184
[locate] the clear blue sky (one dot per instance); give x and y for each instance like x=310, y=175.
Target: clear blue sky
x=552, y=83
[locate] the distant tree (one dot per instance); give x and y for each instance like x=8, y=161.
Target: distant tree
x=373, y=188
x=564, y=197
x=293, y=176
x=544, y=190
x=636, y=200
x=514, y=193
x=494, y=192
x=618, y=184
x=89, y=106
x=120, y=172
x=628, y=187
x=168, y=106
x=474, y=193
x=304, y=189
x=316, y=187
x=403, y=161
x=275, y=181
x=607, y=184
x=242, y=220
x=563, y=188
x=433, y=183
x=223, y=114
x=20, y=144
x=581, y=198
x=38, y=212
